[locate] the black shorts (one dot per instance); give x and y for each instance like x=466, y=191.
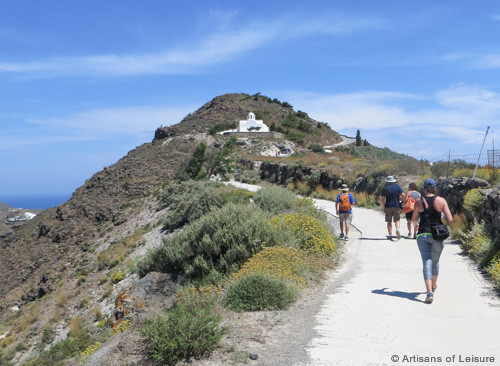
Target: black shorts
x=409, y=215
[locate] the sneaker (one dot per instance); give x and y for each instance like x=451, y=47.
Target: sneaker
x=430, y=298
x=346, y=238
x=415, y=236
x=341, y=235
x=409, y=235
x=398, y=234
x=434, y=288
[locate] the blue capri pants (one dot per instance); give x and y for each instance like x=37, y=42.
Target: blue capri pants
x=430, y=250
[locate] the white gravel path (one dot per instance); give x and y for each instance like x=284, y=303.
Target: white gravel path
x=372, y=311
x=378, y=315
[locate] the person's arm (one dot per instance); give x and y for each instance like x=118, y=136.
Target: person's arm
x=445, y=210
x=402, y=196
x=337, y=205
x=382, y=201
x=416, y=211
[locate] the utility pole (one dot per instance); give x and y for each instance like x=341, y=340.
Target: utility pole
x=449, y=164
x=486, y=134
x=493, y=174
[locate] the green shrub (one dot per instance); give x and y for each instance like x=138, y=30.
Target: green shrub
x=473, y=200
x=306, y=206
x=316, y=148
x=260, y=292
x=215, y=245
x=250, y=177
x=275, y=199
x=117, y=277
x=291, y=120
x=313, y=235
x=494, y=270
x=70, y=347
x=295, y=136
x=190, y=331
x=291, y=264
x=188, y=201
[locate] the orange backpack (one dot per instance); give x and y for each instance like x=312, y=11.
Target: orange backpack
x=409, y=204
x=344, y=203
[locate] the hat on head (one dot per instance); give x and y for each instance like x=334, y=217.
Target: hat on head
x=344, y=187
x=429, y=183
x=390, y=179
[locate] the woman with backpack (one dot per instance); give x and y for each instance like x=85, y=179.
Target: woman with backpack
x=429, y=209
x=411, y=197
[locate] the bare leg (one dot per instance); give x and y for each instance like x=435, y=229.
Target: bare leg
x=428, y=285
x=434, y=281
x=408, y=223
x=346, y=229
x=389, y=228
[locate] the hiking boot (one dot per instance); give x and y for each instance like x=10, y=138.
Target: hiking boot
x=341, y=235
x=398, y=234
x=430, y=298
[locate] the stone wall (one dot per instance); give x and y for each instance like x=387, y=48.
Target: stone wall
x=490, y=211
x=454, y=190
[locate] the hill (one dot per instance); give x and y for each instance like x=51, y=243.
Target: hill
x=108, y=198
x=68, y=257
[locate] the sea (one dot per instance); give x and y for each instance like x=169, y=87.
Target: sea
x=35, y=201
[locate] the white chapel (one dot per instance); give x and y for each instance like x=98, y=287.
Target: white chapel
x=252, y=125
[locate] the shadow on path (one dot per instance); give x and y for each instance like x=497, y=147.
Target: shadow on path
x=405, y=295
x=384, y=238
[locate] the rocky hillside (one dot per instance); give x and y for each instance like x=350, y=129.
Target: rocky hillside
x=65, y=254
x=107, y=199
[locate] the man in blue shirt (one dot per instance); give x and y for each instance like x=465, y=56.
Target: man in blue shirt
x=390, y=197
x=343, y=206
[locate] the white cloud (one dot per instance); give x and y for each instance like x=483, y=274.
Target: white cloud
x=470, y=99
x=212, y=48
x=454, y=118
x=369, y=110
x=487, y=62
x=132, y=122
x=120, y=121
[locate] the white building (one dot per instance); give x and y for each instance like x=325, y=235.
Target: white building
x=252, y=125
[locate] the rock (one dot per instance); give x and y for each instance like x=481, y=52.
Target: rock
x=253, y=356
x=14, y=308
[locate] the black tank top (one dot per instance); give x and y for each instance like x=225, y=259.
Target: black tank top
x=434, y=216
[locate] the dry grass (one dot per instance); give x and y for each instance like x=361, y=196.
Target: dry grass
x=61, y=298
x=75, y=326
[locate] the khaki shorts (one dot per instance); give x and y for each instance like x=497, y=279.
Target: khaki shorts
x=392, y=214
x=345, y=217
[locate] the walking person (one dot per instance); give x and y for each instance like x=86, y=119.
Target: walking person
x=343, y=205
x=429, y=209
x=390, y=197
x=411, y=197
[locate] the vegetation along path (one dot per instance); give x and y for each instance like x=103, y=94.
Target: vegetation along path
x=372, y=310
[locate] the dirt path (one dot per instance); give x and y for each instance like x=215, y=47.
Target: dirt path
x=371, y=311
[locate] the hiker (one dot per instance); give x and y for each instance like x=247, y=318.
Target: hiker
x=344, y=211
x=429, y=209
x=411, y=197
x=390, y=197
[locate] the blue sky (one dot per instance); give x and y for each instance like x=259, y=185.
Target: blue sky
x=82, y=83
